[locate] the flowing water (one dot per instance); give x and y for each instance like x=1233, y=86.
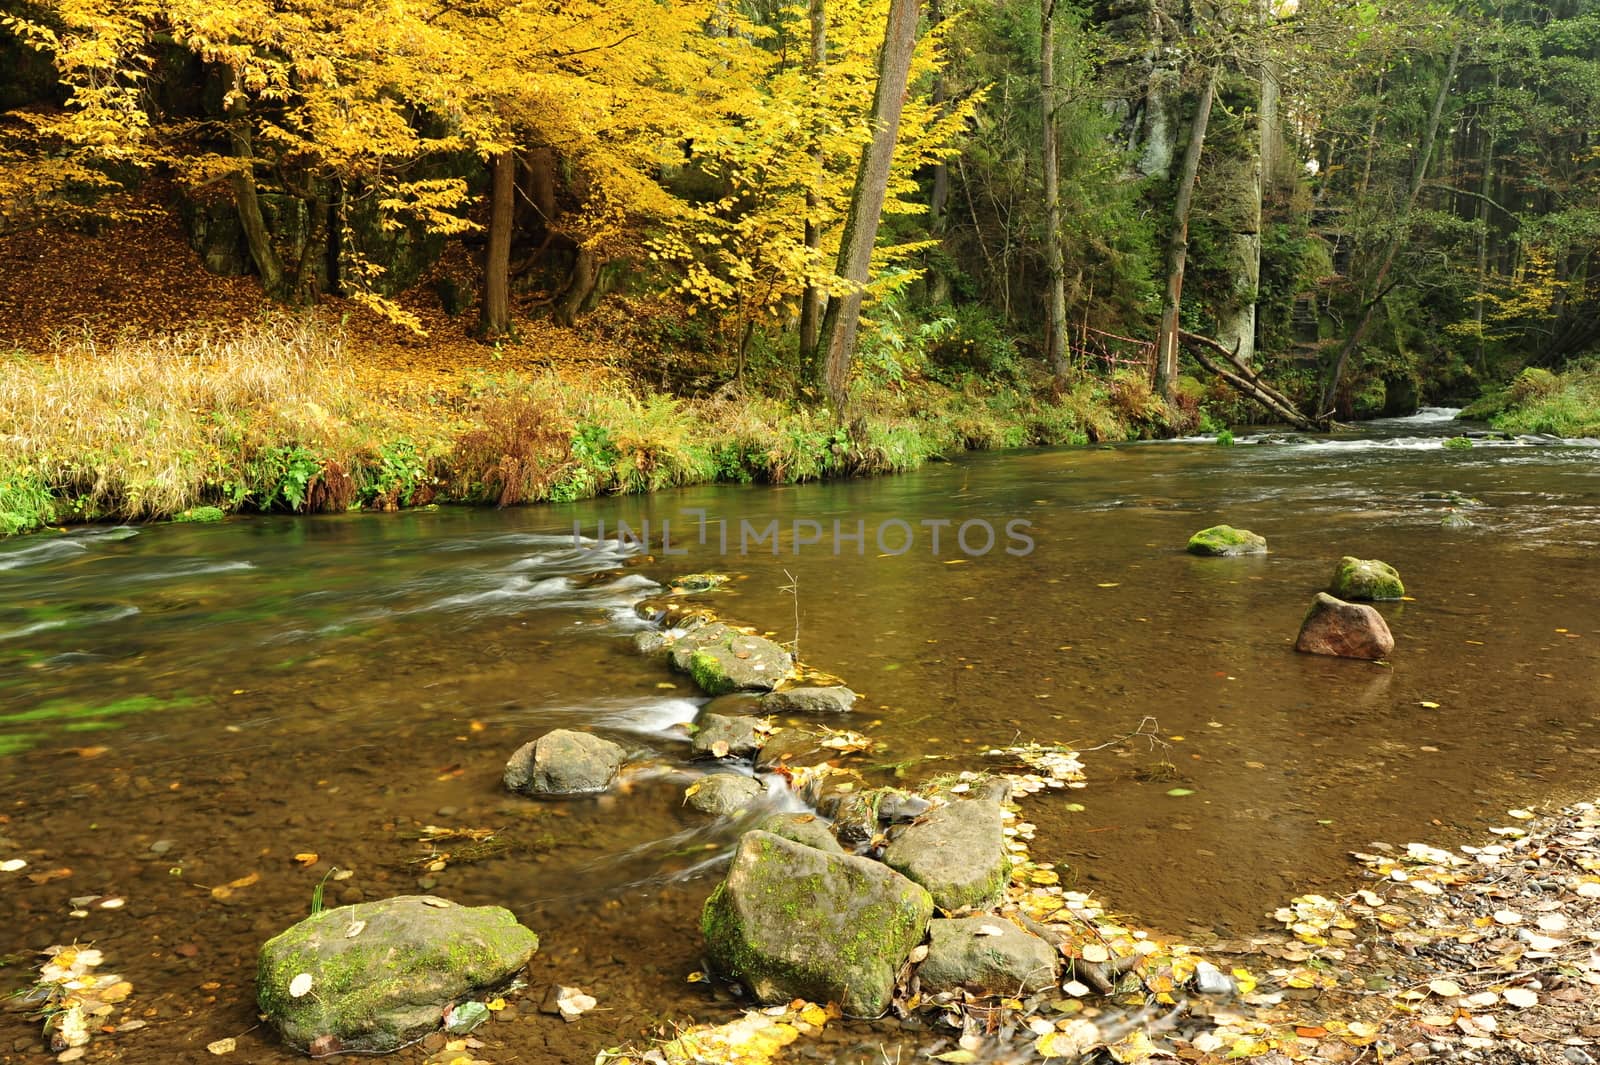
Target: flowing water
x=182, y=707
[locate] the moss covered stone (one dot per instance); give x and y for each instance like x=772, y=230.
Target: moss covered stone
x=201, y=515
x=722, y=659
x=1365, y=578
x=957, y=852
x=381, y=974
x=1226, y=541
x=1458, y=443
x=791, y=921
x=986, y=955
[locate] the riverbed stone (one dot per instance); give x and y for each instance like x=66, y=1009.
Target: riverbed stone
x=986, y=955
x=722, y=794
x=564, y=762
x=1365, y=578
x=834, y=699
x=381, y=974
x=1346, y=630
x=1226, y=542
x=957, y=852
x=721, y=659
x=1455, y=521
x=698, y=582
x=807, y=829
x=792, y=747
x=718, y=736
x=791, y=921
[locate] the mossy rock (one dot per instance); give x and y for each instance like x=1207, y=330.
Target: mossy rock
x=1533, y=383
x=1365, y=579
x=721, y=659
x=1224, y=541
x=1458, y=443
x=201, y=515
x=791, y=921
x=1455, y=521
x=807, y=829
x=957, y=852
x=381, y=974
x=699, y=582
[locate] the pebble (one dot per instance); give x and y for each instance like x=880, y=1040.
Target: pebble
x=162, y=846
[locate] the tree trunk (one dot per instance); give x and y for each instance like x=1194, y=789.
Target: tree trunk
x=1236, y=325
x=939, y=194
x=1245, y=381
x=262, y=251
x=585, y=273
x=1178, y=243
x=1056, y=344
x=811, y=298
x=1380, y=288
x=495, y=320
x=843, y=316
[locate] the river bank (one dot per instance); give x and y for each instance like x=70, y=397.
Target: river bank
x=291, y=415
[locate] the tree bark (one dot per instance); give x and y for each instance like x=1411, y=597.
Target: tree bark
x=1330, y=392
x=1056, y=339
x=939, y=192
x=495, y=319
x=811, y=298
x=843, y=316
x=262, y=251
x=1178, y=243
x=585, y=273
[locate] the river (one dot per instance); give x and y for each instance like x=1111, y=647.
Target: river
x=183, y=708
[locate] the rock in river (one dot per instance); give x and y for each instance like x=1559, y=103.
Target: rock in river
x=808, y=829
x=791, y=921
x=1365, y=578
x=835, y=699
x=986, y=955
x=957, y=852
x=718, y=736
x=376, y=976
x=1226, y=541
x=564, y=762
x=722, y=659
x=1347, y=630
x=722, y=794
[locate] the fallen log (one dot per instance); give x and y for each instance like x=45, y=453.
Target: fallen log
x=1245, y=381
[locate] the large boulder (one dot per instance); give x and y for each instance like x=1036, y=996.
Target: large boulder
x=717, y=736
x=791, y=921
x=957, y=852
x=1365, y=578
x=564, y=762
x=376, y=976
x=1346, y=630
x=835, y=699
x=986, y=955
x=722, y=794
x=1226, y=541
x=722, y=659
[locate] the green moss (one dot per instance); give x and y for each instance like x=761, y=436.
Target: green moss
x=1458, y=443
x=1222, y=540
x=1486, y=406
x=205, y=515
x=707, y=671
x=1358, y=579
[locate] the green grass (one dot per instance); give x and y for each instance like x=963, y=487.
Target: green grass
x=195, y=425
x=1567, y=405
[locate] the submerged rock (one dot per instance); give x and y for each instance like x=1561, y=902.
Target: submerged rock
x=564, y=762
x=1456, y=521
x=722, y=794
x=1346, y=630
x=721, y=659
x=791, y=921
x=378, y=975
x=1226, y=541
x=729, y=737
x=792, y=747
x=986, y=955
x=957, y=852
x=699, y=582
x=835, y=699
x=1365, y=578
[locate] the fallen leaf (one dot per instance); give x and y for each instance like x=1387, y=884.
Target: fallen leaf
x=223, y=1046
x=300, y=985
x=990, y=930
x=1445, y=988
x=354, y=929
x=1096, y=953
x=11, y=865
x=306, y=858
x=1521, y=997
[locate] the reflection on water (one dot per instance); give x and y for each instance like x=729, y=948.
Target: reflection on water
x=184, y=705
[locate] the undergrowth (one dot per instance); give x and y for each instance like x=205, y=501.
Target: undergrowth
x=1565, y=405
x=272, y=418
